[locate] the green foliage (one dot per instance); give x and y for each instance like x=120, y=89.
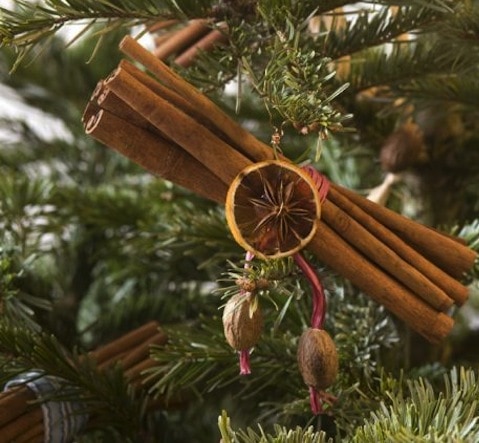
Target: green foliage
x=294, y=85
x=427, y=415
x=100, y=390
x=281, y=435
x=30, y=23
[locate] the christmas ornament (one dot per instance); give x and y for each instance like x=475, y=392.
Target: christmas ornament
x=411, y=269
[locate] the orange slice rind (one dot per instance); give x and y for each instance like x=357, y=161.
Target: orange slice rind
x=272, y=209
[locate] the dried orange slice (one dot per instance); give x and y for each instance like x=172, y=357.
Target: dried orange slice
x=272, y=208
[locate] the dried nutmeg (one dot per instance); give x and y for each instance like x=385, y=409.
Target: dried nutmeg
x=242, y=322
x=403, y=148
x=317, y=358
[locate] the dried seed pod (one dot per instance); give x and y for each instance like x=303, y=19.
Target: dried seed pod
x=403, y=148
x=242, y=322
x=272, y=208
x=317, y=358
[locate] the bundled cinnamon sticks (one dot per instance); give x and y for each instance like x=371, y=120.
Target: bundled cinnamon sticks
x=167, y=126
x=183, y=44
x=21, y=417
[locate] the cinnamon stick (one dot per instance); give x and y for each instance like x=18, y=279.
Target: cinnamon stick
x=92, y=106
x=163, y=115
x=33, y=434
x=380, y=254
x=127, y=341
x=456, y=264
x=182, y=39
x=179, y=127
x=156, y=154
x=449, y=255
x=161, y=24
x=240, y=137
x=169, y=95
x=336, y=253
x=454, y=289
x=142, y=352
x=210, y=40
x=15, y=428
x=136, y=376
x=110, y=102
x=14, y=402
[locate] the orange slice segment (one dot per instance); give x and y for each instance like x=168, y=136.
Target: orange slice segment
x=272, y=209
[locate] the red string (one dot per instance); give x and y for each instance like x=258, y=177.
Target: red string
x=319, y=299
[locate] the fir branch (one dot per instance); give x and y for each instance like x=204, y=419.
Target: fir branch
x=450, y=415
x=18, y=305
x=374, y=332
x=462, y=90
x=297, y=84
x=404, y=63
x=198, y=359
x=281, y=434
x=28, y=24
x=373, y=28
x=470, y=233
x=104, y=394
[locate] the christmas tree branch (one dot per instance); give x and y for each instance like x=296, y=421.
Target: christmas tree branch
x=373, y=28
x=27, y=24
x=281, y=434
x=423, y=413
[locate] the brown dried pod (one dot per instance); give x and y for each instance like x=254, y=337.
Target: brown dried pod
x=242, y=322
x=317, y=358
x=403, y=148
x=272, y=208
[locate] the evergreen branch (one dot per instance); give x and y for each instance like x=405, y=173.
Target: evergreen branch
x=404, y=63
x=281, y=434
x=104, y=394
x=198, y=359
x=470, y=233
x=426, y=415
x=374, y=331
x=433, y=90
x=28, y=24
x=17, y=305
x=374, y=28
x=297, y=84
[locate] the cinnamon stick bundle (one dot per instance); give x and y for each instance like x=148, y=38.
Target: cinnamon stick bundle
x=185, y=43
x=182, y=39
x=395, y=260
x=21, y=417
